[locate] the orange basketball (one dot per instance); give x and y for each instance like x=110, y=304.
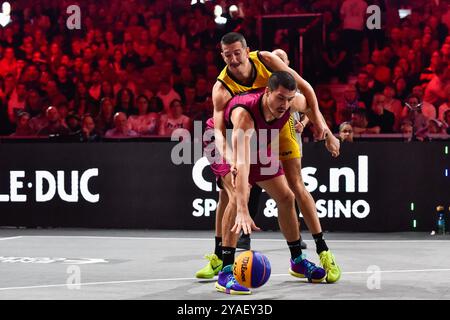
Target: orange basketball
x=251, y=269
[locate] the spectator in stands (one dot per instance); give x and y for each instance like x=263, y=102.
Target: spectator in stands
x=428, y=109
x=398, y=72
x=23, y=126
x=118, y=64
x=445, y=51
x=144, y=123
x=401, y=89
x=8, y=64
x=380, y=120
x=393, y=105
x=174, y=120
x=125, y=101
x=415, y=66
x=374, y=84
x=88, y=132
x=54, y=126
x=353, y=16
x=167, y=94
x=106, y=71
x=360, y=123
x=395, y=39
x=200, y=111
x=348, y=104
x=446, y=105
x=327, y=105
x=414, y=113
x=105, y=118
x=16, y=102
x=202, y=90
x=95, y=87
x=54, y=96
x=346, y=132
x=170, y=35
x=389, y=57
x=83, y=102
x=121, y=128
x=63, y=111
x=64, y=83
x=124, y=82
x=434, y=126
x=37, y=109
x=382, y=72
x=428, y=73
x=9, y=84
x=156, y=106
x=73, y=122
x=336, y=58
x=365, y=93
x=434, y=92
x=406, y=128
x=446, y=120
x=107, y=90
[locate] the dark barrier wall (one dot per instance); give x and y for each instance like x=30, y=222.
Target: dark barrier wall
x=370, y=187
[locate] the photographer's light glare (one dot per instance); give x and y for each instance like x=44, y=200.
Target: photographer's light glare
x=403, y=13
x=197, y=1
x=218, y=11
x=5, y=18
x=218, y=15
x=233, y=8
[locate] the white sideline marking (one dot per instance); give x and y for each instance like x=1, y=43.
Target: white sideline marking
x=191, y=279
x=10, y=238
x=253, y=239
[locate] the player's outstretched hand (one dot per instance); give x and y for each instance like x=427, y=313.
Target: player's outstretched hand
x=245, y=223
x=332, y=144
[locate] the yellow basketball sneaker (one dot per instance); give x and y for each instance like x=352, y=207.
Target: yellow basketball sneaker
x=328, y=262
x=211, y=269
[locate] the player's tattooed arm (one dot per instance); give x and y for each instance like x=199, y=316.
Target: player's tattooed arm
x=220, y=97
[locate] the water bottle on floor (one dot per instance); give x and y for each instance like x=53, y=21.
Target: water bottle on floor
x=440, y=220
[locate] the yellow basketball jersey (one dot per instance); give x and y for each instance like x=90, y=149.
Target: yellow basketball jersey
x=260, y=79
x=288, y=146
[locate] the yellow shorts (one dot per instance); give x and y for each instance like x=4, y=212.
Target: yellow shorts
x=288, y=145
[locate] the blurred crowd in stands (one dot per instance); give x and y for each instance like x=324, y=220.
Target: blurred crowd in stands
x=141, y=68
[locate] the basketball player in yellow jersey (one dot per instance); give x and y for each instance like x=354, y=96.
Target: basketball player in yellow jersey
x=245, y=71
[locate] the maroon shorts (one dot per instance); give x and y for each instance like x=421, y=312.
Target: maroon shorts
x=258, y=171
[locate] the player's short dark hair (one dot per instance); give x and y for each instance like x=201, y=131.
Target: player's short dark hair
x=232, y=37
x=282, y=78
